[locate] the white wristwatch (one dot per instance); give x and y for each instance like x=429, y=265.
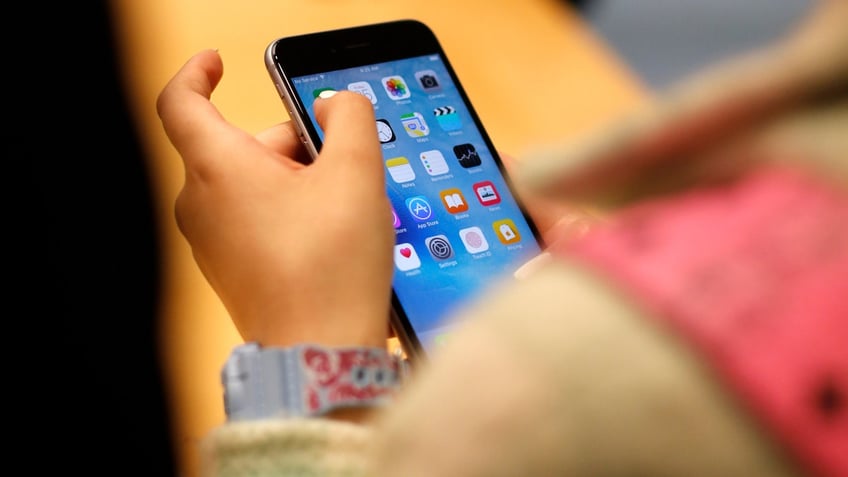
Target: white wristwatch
x=306, y=380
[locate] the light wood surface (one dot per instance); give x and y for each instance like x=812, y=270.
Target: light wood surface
x=500, y=49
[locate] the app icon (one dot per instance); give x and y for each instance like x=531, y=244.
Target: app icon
x=385, y=132
x=415, y=125
x=363, y=88
x=486, y=193
x=474, y=240
x=400, y=169
x=317, y=92
x=428, y=80
x=434, y=162
x=395, y=218
x=506, y=231
x=439, y=247
x=453, y=200
x=419, y=208
x=405, y=257
x=447, y=118
x=395, y=87
x=467, y=155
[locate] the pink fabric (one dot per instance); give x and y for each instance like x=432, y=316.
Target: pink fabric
x=754, y=275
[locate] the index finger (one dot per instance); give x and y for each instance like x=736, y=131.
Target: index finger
x=351, y=136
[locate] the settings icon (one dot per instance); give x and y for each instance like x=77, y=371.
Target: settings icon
x=439, y=247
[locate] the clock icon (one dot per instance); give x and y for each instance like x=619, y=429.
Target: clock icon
x=384, y=131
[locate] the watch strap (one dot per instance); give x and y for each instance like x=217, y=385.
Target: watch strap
x=306, y=380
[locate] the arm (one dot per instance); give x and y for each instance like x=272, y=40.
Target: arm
x=248, y=208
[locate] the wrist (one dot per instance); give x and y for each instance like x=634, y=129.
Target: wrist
x=330, y=334
x=314, y=322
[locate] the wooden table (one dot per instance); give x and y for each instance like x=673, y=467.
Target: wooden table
x=500, y=49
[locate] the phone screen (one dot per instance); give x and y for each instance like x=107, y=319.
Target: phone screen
x=458, y=226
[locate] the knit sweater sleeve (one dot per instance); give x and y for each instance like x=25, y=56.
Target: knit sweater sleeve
x=278, y=447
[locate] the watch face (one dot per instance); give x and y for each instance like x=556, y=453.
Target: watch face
x=384, y=131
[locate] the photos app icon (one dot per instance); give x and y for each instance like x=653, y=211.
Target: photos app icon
x=396, y=88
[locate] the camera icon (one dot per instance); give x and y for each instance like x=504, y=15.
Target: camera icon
x=428, y=80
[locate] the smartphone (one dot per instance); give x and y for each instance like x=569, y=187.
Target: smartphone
x=459, y=226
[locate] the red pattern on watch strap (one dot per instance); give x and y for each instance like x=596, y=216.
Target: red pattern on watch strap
x=347, y=376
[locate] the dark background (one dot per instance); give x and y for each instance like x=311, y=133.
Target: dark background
x=83, y=385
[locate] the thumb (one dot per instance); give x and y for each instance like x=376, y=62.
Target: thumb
x=188, y=117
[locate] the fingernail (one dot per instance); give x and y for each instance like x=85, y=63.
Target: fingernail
x=327, y=94
x=532, y=265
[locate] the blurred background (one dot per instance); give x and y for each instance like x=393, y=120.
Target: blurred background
x=664, y=41
x=128, y=335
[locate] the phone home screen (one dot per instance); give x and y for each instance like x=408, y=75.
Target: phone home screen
x=457, y=225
